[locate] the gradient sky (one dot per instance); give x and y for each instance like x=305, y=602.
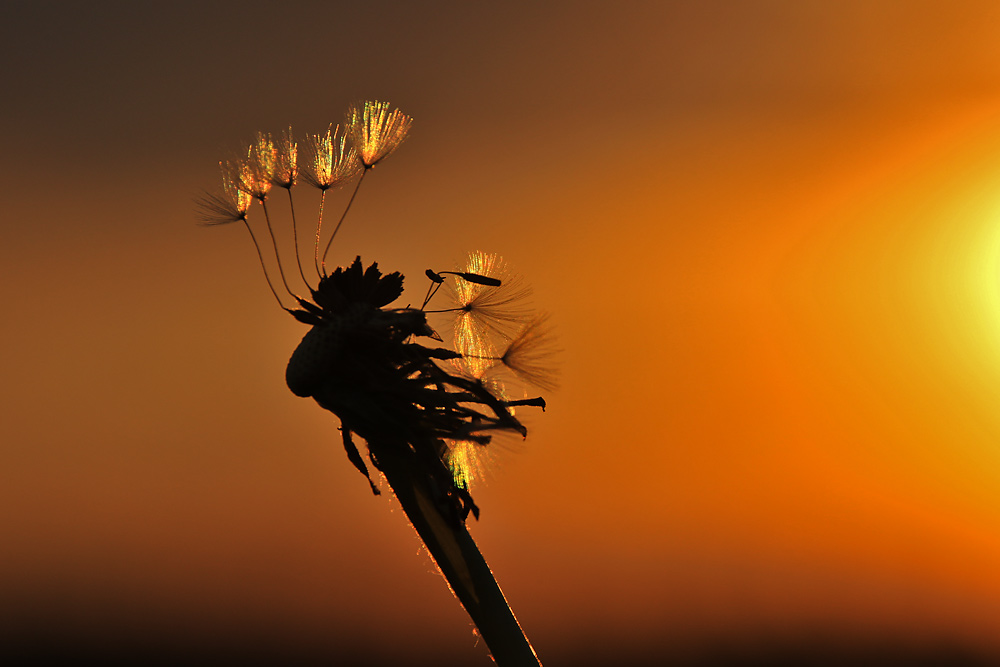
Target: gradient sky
x=769, y=237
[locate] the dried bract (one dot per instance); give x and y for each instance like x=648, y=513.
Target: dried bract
x=374, y=366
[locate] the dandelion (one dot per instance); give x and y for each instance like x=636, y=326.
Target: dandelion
x=482, y=309
x=427, y=414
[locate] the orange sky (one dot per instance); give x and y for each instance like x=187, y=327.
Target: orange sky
x=768, y=238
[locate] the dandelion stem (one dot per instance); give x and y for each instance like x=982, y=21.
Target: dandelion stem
x=260, y=257
x=274, y=243
x=295, y=238
x=341, y=221
x=319, y=231
x=456, y=554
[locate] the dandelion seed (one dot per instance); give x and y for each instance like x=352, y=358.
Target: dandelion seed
x=286, y=161
x=376, y=131
x=256, y=172
x=483, y=310
x=231, y=206
x=331, y=161
x=529, y=354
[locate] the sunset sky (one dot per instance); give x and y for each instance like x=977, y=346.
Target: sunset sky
x=768, y=235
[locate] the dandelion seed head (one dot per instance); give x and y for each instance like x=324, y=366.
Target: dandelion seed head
x=331, y=161
x=376, y=131
x=468, y=462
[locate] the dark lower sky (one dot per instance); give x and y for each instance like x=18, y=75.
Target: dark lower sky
x=767, y=235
